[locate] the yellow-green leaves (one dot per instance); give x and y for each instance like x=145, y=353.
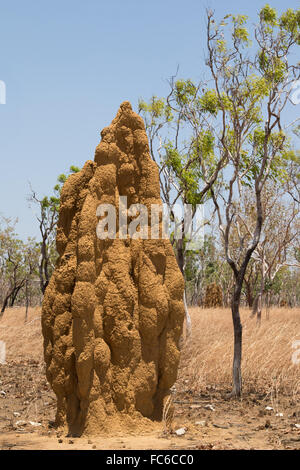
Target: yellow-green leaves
x=258, y=86
x=185, y=175
x=234, y=115
x=273, y=67
x=184, y=91
x=186, y=168
x=277, y=33
x=221, y=46
x=263, y=60
x=279, y=145
x=209, y=102
x=240, y=32
x=173, y=158
x=225, y=102
x=290, y=21
x=239, y=20
x=62, y=178
x=268, y=15
x=74, y=169
x=157, y=109
x=156, y=106
x=206, y=143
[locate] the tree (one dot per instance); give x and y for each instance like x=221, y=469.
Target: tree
x=18, y=263
x=280, y=231
x=273, y=252
x=202, y=268
x=31, y=260
x=47, y=219
x=233, y=135
x=293, y=179
x=250, y=282
x=250, y=94
x=188, y=168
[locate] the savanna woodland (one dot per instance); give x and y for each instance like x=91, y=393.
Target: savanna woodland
x=226, y=144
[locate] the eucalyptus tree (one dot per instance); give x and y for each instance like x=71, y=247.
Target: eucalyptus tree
x=252, y=87
x=18, y=263
x=47, y=217
x=280, y=231
x=229, y=131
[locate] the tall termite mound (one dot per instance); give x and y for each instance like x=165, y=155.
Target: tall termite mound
x=113, y=312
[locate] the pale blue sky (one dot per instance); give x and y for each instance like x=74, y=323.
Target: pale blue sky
x=69, y=64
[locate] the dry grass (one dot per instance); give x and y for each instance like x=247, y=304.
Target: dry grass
x=23, y=340
x=206, y=359
x=267, y=365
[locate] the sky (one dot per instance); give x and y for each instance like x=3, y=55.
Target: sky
x=68, y=65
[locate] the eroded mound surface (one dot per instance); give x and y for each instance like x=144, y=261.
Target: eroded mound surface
x=113, y=312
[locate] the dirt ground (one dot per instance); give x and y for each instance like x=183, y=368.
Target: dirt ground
x=210, y=419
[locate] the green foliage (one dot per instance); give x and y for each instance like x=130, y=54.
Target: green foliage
x=52, y=202
x=209, y=102
x=240, y=33
x=290, y=21
x=74, y=169
x=185, y=172
x=18, y=262
x=227, y=129
x=157, y=110
x=62, y=178
x=184, y=91
x=173, y=158
x=268, y=15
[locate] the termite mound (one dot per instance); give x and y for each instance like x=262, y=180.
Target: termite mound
x=112, y=313
x=213, y=296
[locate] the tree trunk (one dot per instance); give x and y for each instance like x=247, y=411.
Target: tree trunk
x=259, y=308
x=262, y=289
x=249, y=298
x=279, y=299
x=43, y=266
x=249, y=294
x=237, y=355
x=180, y=255
x=268, y=305
x=255, y=306
x=27, y=301
x=180, y=261
x=4, y=305
x=6, y=300
x=14, y=295
x=187, y=316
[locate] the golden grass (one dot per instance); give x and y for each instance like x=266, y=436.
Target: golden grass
x=206, y=359
x=267, y=365
x=23, y=340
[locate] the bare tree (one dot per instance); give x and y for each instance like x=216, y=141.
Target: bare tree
x=47, y=219
x=18, y=263
x=273, y=252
